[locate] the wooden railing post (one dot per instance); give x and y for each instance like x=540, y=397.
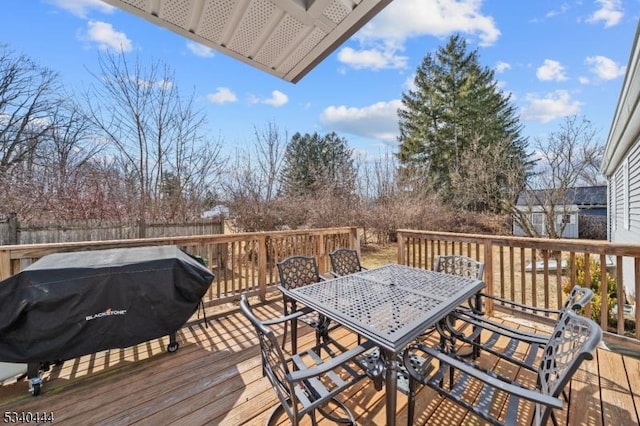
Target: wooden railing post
x=355, y=240
x=322, y=256
x=262, y=267
x=488, y=274
x=13, y=229
x=5, y=264
x=402, y=241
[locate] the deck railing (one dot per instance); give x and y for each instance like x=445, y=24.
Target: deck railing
x=242, y=262
x=534, y=271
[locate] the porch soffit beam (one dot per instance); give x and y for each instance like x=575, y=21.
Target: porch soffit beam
x=306, y=16
x=326, y=25
x=196, y=16
x=352, y=23
x=232, y=24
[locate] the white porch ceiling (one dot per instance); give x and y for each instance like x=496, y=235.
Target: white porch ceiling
x=286, y=38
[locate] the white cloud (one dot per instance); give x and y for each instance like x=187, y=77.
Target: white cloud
x=375, y=58
x=106, y=37
x=222, y=95
x=200, y=50
x=564, y=7
x=412, y=18
x=605, y=68
x=584, y=80
x=610, y=13
x=81, y=8
x=549, y=107
x=502, y=66
x=277, y=99
x=410, y=82
x=551, y=70
x=377, y=121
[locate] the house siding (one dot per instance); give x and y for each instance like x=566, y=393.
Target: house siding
x=634, y=189
x=570, y=229
x=625, y=197
x=621, y=164
x=619, y=198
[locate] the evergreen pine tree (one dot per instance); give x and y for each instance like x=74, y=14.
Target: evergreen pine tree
x=457, y=103
x=314, y=163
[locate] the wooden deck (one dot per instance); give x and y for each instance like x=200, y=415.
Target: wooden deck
x=216, y=378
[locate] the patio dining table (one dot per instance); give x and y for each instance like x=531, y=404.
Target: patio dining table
x=390, y=305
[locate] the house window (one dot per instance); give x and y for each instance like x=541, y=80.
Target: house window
x=537, y=218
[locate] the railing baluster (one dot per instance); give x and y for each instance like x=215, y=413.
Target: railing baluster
x=537, y=281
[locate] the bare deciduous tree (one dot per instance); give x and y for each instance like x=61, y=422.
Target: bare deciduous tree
x=488, y=181
x=28, y=96
x=156, y=133
x=567, y=159
x=252, y=183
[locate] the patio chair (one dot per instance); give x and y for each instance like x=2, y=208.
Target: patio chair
x=308, y=381
x=573, y=340
x=345, y=261
x=295, y=272
x=462, y=266
x=528, y=344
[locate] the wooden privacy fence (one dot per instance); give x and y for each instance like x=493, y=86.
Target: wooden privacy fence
x=12, y=231
x=243, y=262
x=537, y=271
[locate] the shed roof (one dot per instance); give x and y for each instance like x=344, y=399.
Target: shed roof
x=286, y=38
x=582, y=196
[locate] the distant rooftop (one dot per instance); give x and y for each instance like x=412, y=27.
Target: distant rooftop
x=583, y=196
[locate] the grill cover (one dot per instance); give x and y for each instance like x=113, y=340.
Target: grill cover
x=70, y=304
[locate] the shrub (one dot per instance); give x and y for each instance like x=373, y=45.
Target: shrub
x=595, y=272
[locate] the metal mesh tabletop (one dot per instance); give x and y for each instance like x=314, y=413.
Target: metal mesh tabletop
x=430, y=283
x=390, y=305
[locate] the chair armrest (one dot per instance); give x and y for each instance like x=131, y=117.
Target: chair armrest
x=520, y=305
x=289, y=317
x=471, y=371
x=330, y=364
x=498, y=328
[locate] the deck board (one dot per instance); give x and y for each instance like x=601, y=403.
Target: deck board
x=216, y=378
x=614, y=390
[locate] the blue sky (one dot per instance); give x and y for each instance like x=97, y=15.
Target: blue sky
x=555, y=58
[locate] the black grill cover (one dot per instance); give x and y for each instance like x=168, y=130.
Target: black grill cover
x=70, y=304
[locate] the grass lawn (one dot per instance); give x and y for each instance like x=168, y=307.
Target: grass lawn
x=374, y=255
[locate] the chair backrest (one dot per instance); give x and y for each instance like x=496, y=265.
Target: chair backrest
x=574, y=339
x=298, y=271
x=345, y=261
x=460, y=265
x=578, y=298
x=273, y=360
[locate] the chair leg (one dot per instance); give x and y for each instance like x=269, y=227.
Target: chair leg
x=349, y=419
x=294, y=336
x=314, y=420
x=284, y=336
x=478, y=309
x=276, y=413
x=411, y=401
